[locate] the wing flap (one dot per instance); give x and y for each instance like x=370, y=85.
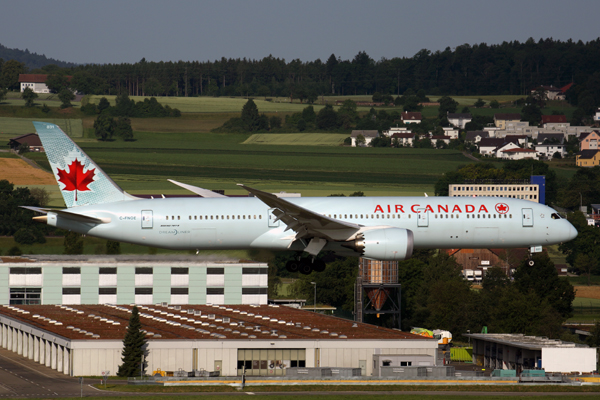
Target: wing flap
x=304, y=222
x=198, y=190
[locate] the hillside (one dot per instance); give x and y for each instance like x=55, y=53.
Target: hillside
x=31, y=60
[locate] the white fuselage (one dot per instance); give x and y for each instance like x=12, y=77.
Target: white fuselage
x=246, y=222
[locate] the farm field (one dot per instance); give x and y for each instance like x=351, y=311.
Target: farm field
x=11, y=127
x=297, y=139
x=51, y=100
x=220, y=161
x=217, y=104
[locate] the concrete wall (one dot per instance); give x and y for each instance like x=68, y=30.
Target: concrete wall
x=567, y=359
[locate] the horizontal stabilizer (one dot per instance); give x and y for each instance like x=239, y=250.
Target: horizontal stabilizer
x=198, y=190
x=70, y=215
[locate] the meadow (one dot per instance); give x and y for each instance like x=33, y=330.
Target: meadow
x=11, y=127
x=297, y=139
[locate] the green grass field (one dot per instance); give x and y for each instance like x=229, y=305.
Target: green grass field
x=297, y=139
x=11, y=127
x=217, y=104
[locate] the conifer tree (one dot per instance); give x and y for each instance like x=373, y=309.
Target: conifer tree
x=134, y=345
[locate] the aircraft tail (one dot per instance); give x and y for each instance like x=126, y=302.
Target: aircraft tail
x=80, y=180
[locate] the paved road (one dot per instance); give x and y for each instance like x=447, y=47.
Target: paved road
x=20, y=377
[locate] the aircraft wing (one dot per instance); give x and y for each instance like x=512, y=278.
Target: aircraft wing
x=306, y=223
x=198, y=190
x=70, y=215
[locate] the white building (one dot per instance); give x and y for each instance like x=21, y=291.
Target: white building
x=368, y=137
x=459, y=120
x=85, y=340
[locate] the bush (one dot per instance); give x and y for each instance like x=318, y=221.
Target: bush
x=14, y=251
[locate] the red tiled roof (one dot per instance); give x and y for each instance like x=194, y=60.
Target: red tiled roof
x=553, y=119
x=403, y=135
x=566, y=87
x=36, y=78
x=411, y=116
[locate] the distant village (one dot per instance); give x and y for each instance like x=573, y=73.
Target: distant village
x=508, y=138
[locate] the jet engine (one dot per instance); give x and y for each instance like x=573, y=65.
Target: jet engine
x=385, y=244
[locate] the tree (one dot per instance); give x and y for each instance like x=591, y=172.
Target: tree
x=275, y=122
x=57, y=82
x=411, y=104
x=123, y=128
x=40, y=195
x=113, y=247
x=584, y=264
x=65, y=96
x=29, y=96
x=479, y=103
x=73, y=243
x=124, y=106
x=348, y=114
x=327, y=118
x=9, y=78
x=134, y=347
x=494, y=104
x=447, y=105
x=103, y=104
x=3, y=92
x=309, y=115
x=250, y=116
x=104, y=127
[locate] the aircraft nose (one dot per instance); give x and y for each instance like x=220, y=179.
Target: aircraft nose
x=572, y=233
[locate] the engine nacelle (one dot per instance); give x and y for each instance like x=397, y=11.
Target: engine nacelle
x=385, y=244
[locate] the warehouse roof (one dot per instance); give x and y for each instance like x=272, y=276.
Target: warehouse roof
x=522, y=341
x=85, y=322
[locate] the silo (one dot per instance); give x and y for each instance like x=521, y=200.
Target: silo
x=379, y=281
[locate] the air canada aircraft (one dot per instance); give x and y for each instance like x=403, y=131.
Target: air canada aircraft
x=380, y=228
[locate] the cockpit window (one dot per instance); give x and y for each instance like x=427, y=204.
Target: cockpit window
x=555, y=216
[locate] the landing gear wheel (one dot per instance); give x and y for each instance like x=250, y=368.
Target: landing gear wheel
x=531, y=263
x=319, y=265
x=305, y=267
x=292, y=266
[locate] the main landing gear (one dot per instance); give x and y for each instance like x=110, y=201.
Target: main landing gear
x=305, y=265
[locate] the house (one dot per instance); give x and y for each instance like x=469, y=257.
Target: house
x=30, y=139
x=501, y=119
x=547, y=151
x=506, y=146
x=488, y=146
x=554, y=122
x=588, y=158
x=36, y=82
x=404, y=139
x=589, y=141
x=452, y=132
x=548, y=138
x=367, y=135
x=483, y=259
x=459, y=120
x=597, y=116
x=550, y=92
x=411, y=117
x=476, y=136
x=436, y=138
x=397, y=129
x=521, y=140
x=519, y=154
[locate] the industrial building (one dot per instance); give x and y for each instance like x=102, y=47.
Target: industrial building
x=534, y=190
x=130, y=279
x=86, y=340
x=519, y=352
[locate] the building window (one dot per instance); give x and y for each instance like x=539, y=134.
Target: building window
x=142, y=290
x=180, y=291
x=252, y=271
x=71, y=290
x=215, y=291
x=107, y=290
x=71, y=270
x=215, y=271
x=269, y=361
x=143, y=271
x=107, y=271
x=180, y=271
x=254, y=290
x=26, y=296
x=25, y=271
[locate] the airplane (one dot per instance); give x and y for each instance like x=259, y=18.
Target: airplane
x=379, y=228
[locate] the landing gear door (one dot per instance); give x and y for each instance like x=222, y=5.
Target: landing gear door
x=527, y=216
x=273, y=221
x=146, y=219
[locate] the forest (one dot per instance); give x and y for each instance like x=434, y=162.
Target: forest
x=507, y=68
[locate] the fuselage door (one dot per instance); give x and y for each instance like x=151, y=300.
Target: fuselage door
x=422, y=218
x=146, y=219
x=273, y=221
x=527, y=217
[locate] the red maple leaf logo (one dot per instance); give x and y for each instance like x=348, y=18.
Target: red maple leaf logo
x=502, y=208
x=76, y=179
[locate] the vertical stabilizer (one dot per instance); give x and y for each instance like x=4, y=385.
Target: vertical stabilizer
x=80, y=180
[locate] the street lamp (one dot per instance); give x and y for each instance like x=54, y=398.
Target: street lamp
x=315, y=301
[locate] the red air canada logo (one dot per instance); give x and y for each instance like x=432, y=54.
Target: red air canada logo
x=502, y=208
x=76, y=179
